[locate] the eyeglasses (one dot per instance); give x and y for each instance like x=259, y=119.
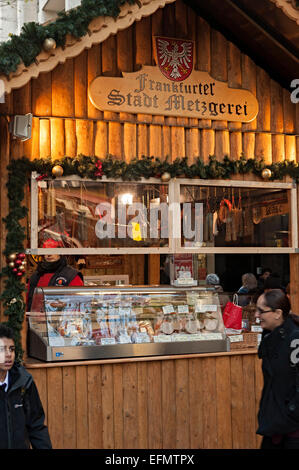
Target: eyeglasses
x=259, y=310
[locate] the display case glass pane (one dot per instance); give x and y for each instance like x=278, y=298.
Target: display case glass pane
x=102, y=214
x=214, y=216
x=89, y=317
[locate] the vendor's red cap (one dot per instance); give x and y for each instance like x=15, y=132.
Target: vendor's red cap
x=50, y=243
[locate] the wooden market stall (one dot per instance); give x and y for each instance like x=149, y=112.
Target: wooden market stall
x=190, y=401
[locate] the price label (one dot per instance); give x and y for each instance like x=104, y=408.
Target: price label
x=162, y=339
x=211, y=336
x=106, y=341
x=183, y=309
x=143, y=338
x=167, y=309
x=180, y=337
x=124, y=339
x=236, y=338
x=256, y=328
x=205, y=308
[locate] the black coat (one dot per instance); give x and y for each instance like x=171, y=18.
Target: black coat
x=279, y=406
x=21, y=414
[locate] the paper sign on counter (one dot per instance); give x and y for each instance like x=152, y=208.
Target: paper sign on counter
x=167, y=309
x=205, y=308
x=183, y=309
x=106, y=341
x=236, y=338
x=162, y=339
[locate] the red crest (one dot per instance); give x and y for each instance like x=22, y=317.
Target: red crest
x=174, y=57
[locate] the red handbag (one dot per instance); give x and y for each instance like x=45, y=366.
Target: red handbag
x=232, y=314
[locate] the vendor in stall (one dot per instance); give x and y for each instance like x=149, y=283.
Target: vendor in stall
x=53, y=270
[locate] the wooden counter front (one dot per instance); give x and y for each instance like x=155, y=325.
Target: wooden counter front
x=206, y=401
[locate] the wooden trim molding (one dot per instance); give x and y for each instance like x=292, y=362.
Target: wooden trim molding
x=287, y=6
x=99, y=30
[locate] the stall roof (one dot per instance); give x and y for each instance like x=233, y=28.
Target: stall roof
x=265, y=30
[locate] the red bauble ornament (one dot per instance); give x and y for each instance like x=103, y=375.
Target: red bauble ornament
x=15, y=270
x=99, y=169
x=18, y=262
x=19, y=274
x=21, y=256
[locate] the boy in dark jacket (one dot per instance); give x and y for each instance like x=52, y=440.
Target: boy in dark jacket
x=21, y=412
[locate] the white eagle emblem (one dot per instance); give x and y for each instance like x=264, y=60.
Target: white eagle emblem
x=174, y=57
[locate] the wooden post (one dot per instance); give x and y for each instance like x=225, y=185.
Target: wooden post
x=44, y=138
x=192, y=144
x=219, y=71
x=221, y=143
x=57, y=138
x=155, y=141
x=263, y=147
x=42, y=95
x=130, y=141
x=177, y=142
x=289, y=112
x=276, y=94
x=125, y=64
x=207, y=141
x=80, y=85
x=70, y=137
x=101, y=137
x=84, y=133
x=235, y=145
x=31, y=146
x=249, y=144
x=290, y=147
x=263, y=97
x=203, y=56
x=63, y=90
x=248, y=69
x=234, y=76
x=278, y=148
x=94, y=68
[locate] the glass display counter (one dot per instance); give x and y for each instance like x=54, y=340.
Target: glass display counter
x=83, y=323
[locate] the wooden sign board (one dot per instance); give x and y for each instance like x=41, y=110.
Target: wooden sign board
x=148, y=91
x=275, y=209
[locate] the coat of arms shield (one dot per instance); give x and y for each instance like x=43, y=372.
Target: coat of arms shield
x=174, y=57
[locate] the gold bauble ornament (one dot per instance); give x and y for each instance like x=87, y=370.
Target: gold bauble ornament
x=12, y=256
x=57, y=171
x=266, y=173
x=11, y=264
x=49, y=44
x=166, y=177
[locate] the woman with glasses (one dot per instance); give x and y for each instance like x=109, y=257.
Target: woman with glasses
x=278, y=415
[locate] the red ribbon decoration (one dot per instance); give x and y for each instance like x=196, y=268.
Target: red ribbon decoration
x=41, y=177
x=99, y=169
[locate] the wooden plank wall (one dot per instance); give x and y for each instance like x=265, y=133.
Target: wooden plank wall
x=188, y=403
x=66, y=123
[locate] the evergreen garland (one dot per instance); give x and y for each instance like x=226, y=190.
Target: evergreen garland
x=26, y=46
x=19, y=172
